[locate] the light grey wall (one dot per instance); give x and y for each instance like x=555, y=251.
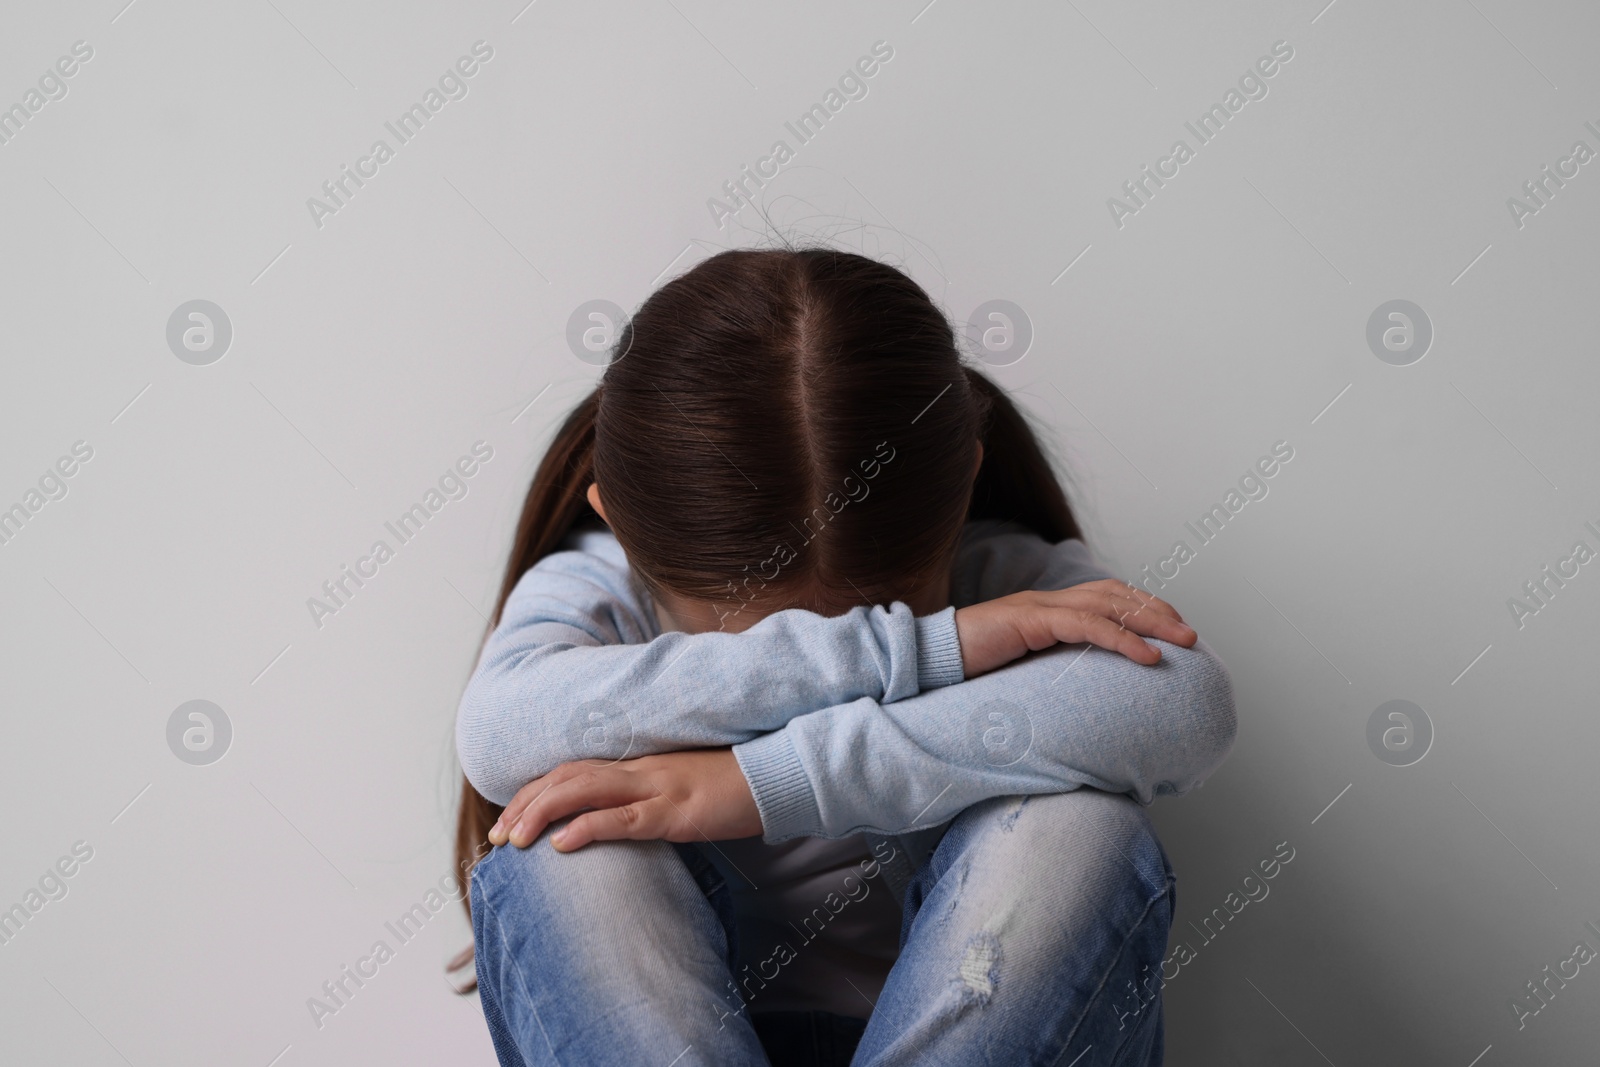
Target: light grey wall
x=1173, y=347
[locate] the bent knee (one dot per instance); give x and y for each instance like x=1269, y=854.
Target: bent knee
x=592, y=873
x=607, y=901
x=1048, y=892
x=1097, y=841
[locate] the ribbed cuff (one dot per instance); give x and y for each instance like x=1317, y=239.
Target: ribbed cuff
x=938, y=651
x=782, y=791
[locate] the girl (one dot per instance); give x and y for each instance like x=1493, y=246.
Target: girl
x=753, y=663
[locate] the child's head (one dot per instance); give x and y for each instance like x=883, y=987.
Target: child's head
x=791, y=428
x=786, y=427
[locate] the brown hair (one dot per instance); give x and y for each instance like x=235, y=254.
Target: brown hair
x=781, y=420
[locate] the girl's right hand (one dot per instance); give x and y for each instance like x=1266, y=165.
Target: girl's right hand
x=1107, y=613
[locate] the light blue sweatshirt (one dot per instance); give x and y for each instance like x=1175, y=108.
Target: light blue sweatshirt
x=846, y=724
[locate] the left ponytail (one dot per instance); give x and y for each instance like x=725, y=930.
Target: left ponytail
x=556, y=502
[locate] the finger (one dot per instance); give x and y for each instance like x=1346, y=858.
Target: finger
x=1129, y=589
x=642, y=820
x=560, y=799
x=1144, y=613
x=1117, y=602
x=1152, y=624
x=1148, y=601
x=499, y=833
x=1091, y=591
x=1111, y=636
x=594, y=789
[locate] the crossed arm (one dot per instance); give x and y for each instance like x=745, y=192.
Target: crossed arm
x=811, y=726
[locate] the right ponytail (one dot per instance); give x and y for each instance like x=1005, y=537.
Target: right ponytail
x=557, y=501
x=1015, y=481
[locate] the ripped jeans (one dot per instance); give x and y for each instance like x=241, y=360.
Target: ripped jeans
x=1033, y=935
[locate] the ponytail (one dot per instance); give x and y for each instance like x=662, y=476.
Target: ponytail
x=557, y=501
x=1015, y=481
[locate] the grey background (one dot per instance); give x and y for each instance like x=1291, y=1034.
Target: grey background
x=367, y=355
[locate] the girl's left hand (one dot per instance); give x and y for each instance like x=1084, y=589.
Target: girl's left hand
x=697, y=795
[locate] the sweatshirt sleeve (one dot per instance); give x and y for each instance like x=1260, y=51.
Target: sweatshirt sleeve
x=1056, y=720
x=999, y=558
x=578, y=668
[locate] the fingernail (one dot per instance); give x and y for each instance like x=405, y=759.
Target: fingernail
x=558, y=838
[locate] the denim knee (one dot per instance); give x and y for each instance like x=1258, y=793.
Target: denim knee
x=1106, y=838
x=1037, y=876
x=1025, y=934
x=580, y=897
x=615, y=944
x=1073, y=822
